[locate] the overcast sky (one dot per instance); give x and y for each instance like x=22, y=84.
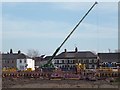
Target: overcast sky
x=43, y=26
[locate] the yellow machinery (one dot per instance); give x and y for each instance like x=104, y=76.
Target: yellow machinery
x=29, y=69
x=9, y=69
x=80, y=67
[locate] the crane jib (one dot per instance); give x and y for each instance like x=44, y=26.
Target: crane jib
x=57, y=50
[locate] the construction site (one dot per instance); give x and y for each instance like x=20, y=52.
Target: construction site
x=50, y=76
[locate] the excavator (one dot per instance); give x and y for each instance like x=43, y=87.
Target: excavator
x=49, y=64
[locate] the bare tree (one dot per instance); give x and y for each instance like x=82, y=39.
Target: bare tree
x=33, y=53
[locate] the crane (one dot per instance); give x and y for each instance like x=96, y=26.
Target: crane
x=49, y=63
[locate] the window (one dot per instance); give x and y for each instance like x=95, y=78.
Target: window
x=21, y=67
x=84, y=61
x=12, y=61
x=74, y=62
x=20, y=61
x=8, y=61
x=24, y=61
x=95, y=61
x=90, y=60
x=63, y=66
x=66, y=61
x=70, y=61
x=57, y=61
x=62, y=61
x=93, y=66
x=114, y=64
x=87, y=60
x=90, y=66
x=81, y=61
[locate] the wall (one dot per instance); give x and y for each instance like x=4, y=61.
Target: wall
x=21, y=64
x=31, y=64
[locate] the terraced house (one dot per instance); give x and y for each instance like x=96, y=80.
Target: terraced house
x=67, y=60
x=18, y=61
x=111, y=60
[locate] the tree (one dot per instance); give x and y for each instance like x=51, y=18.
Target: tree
x=33, y=53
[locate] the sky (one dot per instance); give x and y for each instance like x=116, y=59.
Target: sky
x=44, y=25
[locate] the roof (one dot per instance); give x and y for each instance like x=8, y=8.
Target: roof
x=14, y=56
x=78, y=55
x=109, y=57
x=38, y=58
x=47, y=58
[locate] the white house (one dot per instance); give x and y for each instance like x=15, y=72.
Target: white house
x=17, y=60
x=23, y=64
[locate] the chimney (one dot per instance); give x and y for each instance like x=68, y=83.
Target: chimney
x=19, y=52
x=65, y=52
x=11, y=51
x=76, y=50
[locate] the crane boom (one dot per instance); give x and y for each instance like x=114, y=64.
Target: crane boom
x=56, y=51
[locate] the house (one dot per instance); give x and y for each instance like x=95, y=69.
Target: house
x=39, y=61
x=18, y=61
x=68, y=60
x=111, y=60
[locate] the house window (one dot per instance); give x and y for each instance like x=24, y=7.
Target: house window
x=21, y=67
x=62, y=61
x=68, y=61
x=20, y=61
x=95, y=61
x=90, y=60
x=90, y=66
x=84, y=61
x=81, y=61
x=93, y=66
x=114, y=65
x=24, y=61
x=63, y=66
x=71, y=61
x=12, y=61
x=87, y=61
x=57, y=61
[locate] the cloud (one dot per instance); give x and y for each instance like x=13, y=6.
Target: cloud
x=34, y=29
x=53, y=29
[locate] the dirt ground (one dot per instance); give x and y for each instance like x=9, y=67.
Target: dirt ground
x=38, y=83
